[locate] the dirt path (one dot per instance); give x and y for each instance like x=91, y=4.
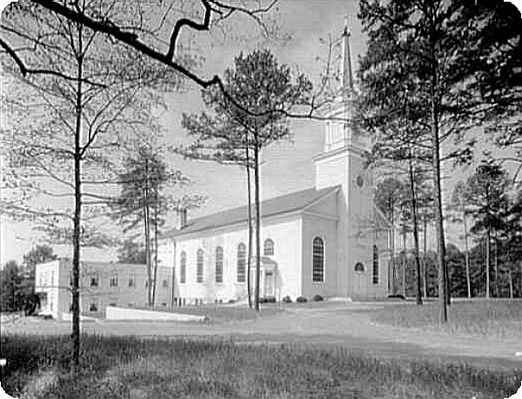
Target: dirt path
x=343, y=324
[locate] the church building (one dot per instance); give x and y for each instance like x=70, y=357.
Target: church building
x=329, y=240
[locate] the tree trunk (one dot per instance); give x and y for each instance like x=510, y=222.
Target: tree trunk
x=75, y=336
x=439, y=218
x=425, y=257
x=146, y=216
x=250, y=231
x=488, y=249
x=415, y=234
x=258, y=219
x=466, y=244
x=156, y=233
x=497, y=292
x=393, y=265
x=510, y=276
x=404, y=260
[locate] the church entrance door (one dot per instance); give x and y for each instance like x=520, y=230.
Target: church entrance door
x=360, y=280
x=269, y=284
x=360, y=284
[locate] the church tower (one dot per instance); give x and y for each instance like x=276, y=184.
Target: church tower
x=342, y=163
x=342, y=159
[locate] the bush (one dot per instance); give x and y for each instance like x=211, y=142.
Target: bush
x=301, y=299
x=267, y=299
x=287, y=299
x=317, y=298
x=397, y=296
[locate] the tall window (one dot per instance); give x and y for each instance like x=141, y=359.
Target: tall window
x=219, y=264
x=318, y=260
x=183, y=267
x=269, y=247
x=375, y=269
x=94, y=281
x=113, y=280
x=241, y=262
x=199, y=266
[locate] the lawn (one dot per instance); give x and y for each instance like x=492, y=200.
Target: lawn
x=493, y=318
x=123, y=367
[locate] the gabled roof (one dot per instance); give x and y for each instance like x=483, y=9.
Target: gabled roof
x=274, y=206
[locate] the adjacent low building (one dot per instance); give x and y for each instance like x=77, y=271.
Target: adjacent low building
x=101, y=285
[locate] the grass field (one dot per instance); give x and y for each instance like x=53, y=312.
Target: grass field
x=493, y=318
x=126, y=367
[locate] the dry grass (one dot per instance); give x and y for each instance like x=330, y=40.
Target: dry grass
x=493, y=318
x=127, y=367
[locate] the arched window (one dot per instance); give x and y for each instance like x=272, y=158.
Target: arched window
x=269, y=247
x=375, y=268
x=183, y=267
x=199, y=266
x=359, y=267
x=318, y=260
x=241, y=262
x=219, y=264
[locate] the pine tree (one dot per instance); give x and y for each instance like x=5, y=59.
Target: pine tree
x=439, y=56
x=264, y=93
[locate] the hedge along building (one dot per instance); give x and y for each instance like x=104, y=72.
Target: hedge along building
x=329, y=240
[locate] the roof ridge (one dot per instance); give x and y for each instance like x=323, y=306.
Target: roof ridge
x=286, y=208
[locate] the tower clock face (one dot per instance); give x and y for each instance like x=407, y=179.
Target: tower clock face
x=359, y=181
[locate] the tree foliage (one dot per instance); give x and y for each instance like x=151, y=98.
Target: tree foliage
x=432, y=63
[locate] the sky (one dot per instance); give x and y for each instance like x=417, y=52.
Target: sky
x=287, y=166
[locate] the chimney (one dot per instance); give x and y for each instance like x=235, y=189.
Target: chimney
x=182, y=218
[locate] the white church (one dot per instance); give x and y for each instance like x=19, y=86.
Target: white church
x=329, y=240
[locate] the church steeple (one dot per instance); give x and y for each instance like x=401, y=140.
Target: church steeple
x=346, y=62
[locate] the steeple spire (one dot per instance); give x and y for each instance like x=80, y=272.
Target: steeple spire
x=347, y=75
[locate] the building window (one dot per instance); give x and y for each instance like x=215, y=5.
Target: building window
x=199, y=266
x=183, y=267
x=269, y=247
x=165, y=284
x=318, y=260
x=94, y=281
x=132, y=283
x=113, y=281
x=359, y=267
x=241, y=262
x=219, y=264
x=375, y=274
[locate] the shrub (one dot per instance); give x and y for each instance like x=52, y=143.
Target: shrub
x=301, y=299
x=397, y=296
x=317, y=298
x=287, y=299
x=267, y=299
